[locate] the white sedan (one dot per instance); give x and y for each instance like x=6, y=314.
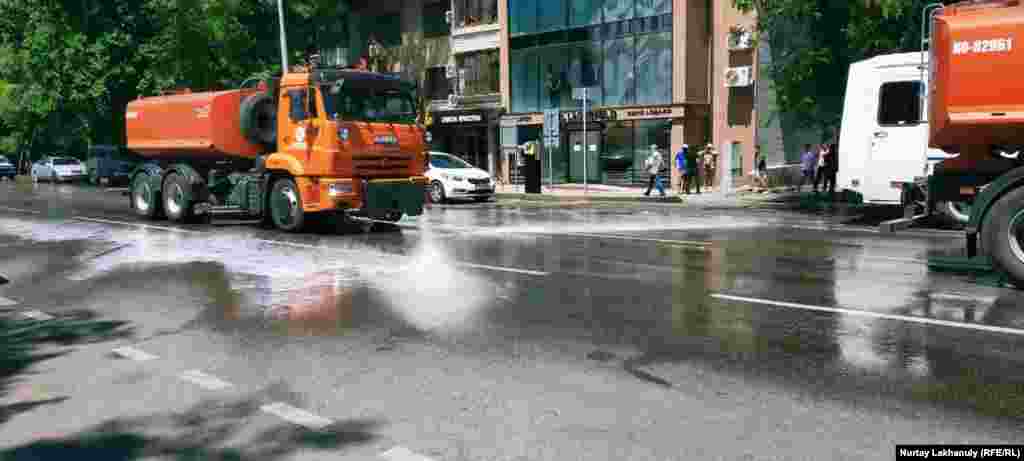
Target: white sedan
x=58, y=169
x=451, y=177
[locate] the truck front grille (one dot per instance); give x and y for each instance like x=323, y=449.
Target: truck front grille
x=382, y=165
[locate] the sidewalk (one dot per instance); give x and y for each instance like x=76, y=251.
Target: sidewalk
x=579, y=193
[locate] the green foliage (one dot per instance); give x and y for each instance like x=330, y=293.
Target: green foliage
x=813, y=43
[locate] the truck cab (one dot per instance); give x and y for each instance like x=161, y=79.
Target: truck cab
x=884, y=132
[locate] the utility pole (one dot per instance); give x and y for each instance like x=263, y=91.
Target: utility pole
x=284, y=42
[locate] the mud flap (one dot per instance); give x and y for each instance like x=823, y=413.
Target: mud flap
x=404, y=196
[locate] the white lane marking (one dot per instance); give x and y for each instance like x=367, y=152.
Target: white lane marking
x=642, y=239
x=296, y=415
x=505, y=269
x=902, y=260
x=77, y=277
x=19, y=210
x=205, y=381
x=902, y=318
x=960, y=297
x=37, y=315
x=134, y=354
x=7, y=302
x=143, y=226
x=403, y=454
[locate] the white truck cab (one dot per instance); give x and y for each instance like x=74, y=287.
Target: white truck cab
x=883, y=140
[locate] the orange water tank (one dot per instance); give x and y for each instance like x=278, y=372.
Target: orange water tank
x=976, y=84
x=191, y=126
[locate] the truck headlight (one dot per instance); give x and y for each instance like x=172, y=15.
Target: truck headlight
x=339, y=188
x=343, y=134
x=427, y=137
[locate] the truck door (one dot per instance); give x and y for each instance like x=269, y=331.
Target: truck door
x=898, y=137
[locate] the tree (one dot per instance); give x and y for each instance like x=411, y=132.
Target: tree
x=813, y=43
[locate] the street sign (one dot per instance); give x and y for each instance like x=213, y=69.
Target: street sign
x=551, y=122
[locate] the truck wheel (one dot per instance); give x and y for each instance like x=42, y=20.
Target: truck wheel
x=1002, y=235
x=176, y=202
x=144, y=200
x=286, y=206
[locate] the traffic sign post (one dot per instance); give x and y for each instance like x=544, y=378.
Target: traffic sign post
x=583, y=94
x=552, y=133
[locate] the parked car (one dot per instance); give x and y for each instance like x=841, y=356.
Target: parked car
x=58, y=169
x=110, y=164
x=7, y=169
x=451, y=178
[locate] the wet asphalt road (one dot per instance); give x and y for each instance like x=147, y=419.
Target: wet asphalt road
x=483, y=332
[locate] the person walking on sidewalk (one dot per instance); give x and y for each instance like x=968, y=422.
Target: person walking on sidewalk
x=808, y=162
x=692, y=171
x=653, y=165
x=681, y=166
x=708, y=160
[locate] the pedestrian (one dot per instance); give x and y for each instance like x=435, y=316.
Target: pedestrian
x=681, y=165
x=762, y=168
x=709, y=165
x=692, y=171
x=829, y=168
x=808, y=162
x=653, y=165
x=819, y=172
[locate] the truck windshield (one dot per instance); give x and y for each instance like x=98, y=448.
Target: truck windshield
x=353, y=101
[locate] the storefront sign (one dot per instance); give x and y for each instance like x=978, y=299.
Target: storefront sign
x=458, y=118
x=599, y=114
x=528, y=119
x=653, y=112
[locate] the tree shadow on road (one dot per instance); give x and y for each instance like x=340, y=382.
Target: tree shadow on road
x=24, y=343
x=200, y=433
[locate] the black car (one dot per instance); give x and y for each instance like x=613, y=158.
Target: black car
x=7, y=169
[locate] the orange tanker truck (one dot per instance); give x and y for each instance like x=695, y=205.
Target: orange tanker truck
x=321, y=142
x=976, y=107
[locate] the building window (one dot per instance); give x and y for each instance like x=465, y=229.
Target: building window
x=617, y=10
x=646, y=8
x=551, y=15
x=619, y=85
x=584, y=12
x=653, y=68
x=469, y=13
x=525, y=77
x=479, y=72
x=434, y=24
x=437, y=84
x=522, y=16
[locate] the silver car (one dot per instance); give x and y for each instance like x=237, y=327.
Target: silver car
x=58, y=169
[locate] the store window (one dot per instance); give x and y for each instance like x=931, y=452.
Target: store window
x=479, y=72
x=469, y=13
x=653, y=66
x=650, y=133
x=618, y=148
x=619, y=84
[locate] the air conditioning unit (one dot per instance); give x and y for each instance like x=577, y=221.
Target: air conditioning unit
x=737, y=77
x=449, y=16
x=450, y=71
x=740, y=40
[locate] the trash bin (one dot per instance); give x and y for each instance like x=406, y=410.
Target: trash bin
x=532, y=168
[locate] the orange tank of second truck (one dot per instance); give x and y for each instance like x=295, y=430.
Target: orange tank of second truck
x=196, y=126
x=977, y=90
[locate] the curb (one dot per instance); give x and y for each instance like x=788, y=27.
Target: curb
x=583, y=198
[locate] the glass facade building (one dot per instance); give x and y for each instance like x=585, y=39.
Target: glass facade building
x=621, y=49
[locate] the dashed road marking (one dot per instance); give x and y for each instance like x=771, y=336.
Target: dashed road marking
x=205, y=381
x=403, y=454
x=143, y=226
x=18, y=210
x=505, y=269
x=296, y=416
x=642, y=239
x=7, y=302
x=37, y=315
x=877, y=315
x=963, y=298
x=134, y=354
